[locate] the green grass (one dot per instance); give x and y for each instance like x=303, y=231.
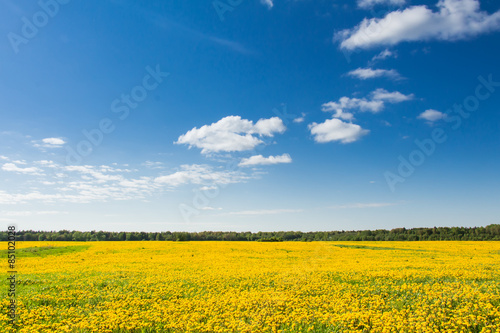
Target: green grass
x=44, y=251
x=364, y=247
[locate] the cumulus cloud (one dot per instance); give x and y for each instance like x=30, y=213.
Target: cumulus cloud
x=369, y=73
x=432, y=115
x=231, y=134
x=374, y=103
x=454, y=20
x=336, y=130
x=368, y=4
x=261, y=160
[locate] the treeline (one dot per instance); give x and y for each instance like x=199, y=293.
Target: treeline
x=490, y=232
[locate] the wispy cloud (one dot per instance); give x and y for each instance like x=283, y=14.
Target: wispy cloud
x=11, y=167
x=164, y=22
x=19, y=213
x=153, y=165
x=50, y=182
x=201, y=175
x=265, y=212
x=368, y=4
x=364, y=205
x=261, y=160
x=232, y=45
x=370, y=73
x=384, y=55
x=210, y=208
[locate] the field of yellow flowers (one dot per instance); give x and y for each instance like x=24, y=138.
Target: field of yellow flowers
x=256, y=287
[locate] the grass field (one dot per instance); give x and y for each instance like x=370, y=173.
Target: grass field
x=256, y=287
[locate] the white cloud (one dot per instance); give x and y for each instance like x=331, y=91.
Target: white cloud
x=49, y=143
x=15, y=198
x=268, y=3
x=454, y=20
x=11, y=167
x=46, y=163
x=231, y=134
x=208, y=188
x=364, y=205
x=99, y=176
x=367, y=4
x=54, y=141
x=5, y=158
x=267, y=127
x=336, y=130
x=261, y=160
x=200, y=174
x=87, y=183
x=210, y=208
x=369, y=73
x=391, y=97
x=141, y=183
x=374, y=104
x=82, y=184
x=299, y=120
x=265, y=212
x=153, y=165
x=432, y=115
x=384, y=55
x=33, y=213
x=347, y=103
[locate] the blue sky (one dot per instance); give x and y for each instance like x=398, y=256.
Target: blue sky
x=249, y=115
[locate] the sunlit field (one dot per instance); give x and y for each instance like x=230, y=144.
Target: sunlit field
x=256, y=287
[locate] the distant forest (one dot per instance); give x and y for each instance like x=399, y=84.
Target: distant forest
x=490, y=232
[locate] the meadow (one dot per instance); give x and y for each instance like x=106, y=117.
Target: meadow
x=148, y=286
